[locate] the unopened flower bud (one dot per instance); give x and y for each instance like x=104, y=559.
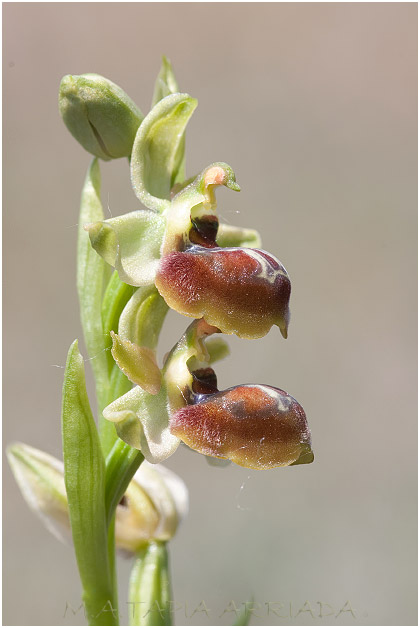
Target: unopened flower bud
x=99, y=114
x=240, y=291
x=40, y=478
x=255, y=426
x=153, y=506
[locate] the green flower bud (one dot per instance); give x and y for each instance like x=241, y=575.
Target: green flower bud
x=99, y=114
x=40, y=478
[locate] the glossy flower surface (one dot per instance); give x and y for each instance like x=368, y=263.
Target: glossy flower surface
x=241, y=291
x=255, y=426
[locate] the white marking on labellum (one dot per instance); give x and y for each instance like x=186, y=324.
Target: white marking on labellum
x=283, y=401
x=267, y=273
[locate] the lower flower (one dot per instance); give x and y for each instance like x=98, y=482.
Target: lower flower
x=253, y=425
x=258, y=427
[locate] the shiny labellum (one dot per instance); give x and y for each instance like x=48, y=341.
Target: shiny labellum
x=241, y=291
x=255, y=426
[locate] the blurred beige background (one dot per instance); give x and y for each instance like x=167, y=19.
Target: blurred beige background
x=315, y=108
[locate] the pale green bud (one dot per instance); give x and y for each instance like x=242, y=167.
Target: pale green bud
x=153, y=506
x=40, y=478
x=99, y=114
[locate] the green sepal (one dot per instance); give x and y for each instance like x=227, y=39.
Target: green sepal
x=131, y=244
x=231, y=236
x=158, y=150
x=142, y=421
x=149, y=597
x=217, y=349
x=84, y=475
x=166, y=82
x=165, y=85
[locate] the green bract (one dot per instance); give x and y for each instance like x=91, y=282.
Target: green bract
x=99, y=115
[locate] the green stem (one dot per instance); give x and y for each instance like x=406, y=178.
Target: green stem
x=112, y=565
x=149, y=594
x=121, y=464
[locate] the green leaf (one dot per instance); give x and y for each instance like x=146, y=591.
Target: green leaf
x=166, y=83
x=228, y=235
x=158, y=150
x=84, y=475
x=150, y=590
x=90, y=278
x=131, y=243
x=245, y=614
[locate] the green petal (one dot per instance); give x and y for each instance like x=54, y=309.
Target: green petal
x=142, y=421
x=137, y=363
x=217, y=348
x=116, y=296
x=131, y=243
x=142, y=318
x=193, y=201
x=158, y=150
x=228, y=235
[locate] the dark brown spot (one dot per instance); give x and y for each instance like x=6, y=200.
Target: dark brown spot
x=204, y=381
x=123, y=502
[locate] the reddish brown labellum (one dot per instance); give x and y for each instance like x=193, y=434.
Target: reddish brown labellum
x=258, y=427
x=241, y=291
